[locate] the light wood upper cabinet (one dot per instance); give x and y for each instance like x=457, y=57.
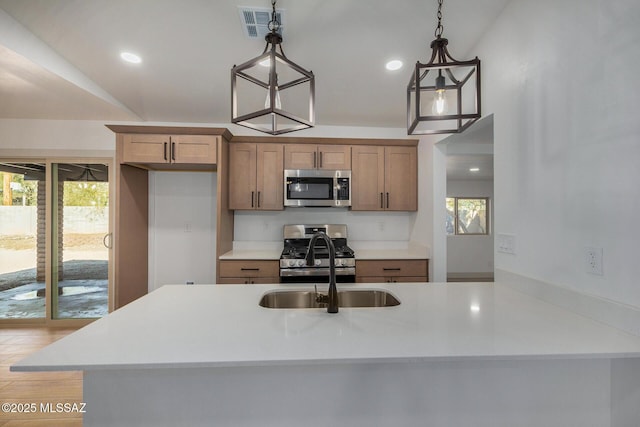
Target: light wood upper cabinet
x=401, y=178
x=384, y=178
x=169, y=149
x=256, y=174
x=310, y=156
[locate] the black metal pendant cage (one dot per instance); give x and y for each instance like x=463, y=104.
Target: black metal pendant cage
x=443, y=95
x=262, y=86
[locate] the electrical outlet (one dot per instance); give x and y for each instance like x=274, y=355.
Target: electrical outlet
x=593, y=260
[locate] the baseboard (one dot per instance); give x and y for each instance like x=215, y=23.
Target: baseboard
x=470, y=277
x=620, y=316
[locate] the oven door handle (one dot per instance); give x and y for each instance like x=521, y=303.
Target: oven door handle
x=322, y=271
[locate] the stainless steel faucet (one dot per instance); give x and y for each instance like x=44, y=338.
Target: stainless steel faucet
x=332, y=297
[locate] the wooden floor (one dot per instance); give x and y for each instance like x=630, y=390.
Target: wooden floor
x=44, y=389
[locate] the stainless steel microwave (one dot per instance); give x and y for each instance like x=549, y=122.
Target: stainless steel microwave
x=317, y=187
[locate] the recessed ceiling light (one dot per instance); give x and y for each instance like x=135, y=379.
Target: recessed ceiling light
x=394, y=65
x=130, y=57
x=474, y=169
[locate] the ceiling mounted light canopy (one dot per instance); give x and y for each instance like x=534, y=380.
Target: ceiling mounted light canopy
x=443, y=95
x=270, y=93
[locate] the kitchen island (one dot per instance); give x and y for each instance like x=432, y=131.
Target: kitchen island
x=476, y=354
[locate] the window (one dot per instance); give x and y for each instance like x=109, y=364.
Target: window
x=467, y=215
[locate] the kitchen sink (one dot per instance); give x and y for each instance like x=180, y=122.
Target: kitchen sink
x=348, y=298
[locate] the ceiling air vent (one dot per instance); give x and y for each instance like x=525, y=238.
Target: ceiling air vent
x=255, y=21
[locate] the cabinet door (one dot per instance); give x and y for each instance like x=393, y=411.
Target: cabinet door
x=300, y=156
x=367, y=176
x=270, y=177
x=195, y=149
x=334, y=157
x=242, y=176
x=142, y=148
x=401, y=179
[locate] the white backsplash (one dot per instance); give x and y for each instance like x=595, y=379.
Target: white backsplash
x=267, y=226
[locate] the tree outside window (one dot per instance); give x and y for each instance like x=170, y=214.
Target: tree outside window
x=467, y=215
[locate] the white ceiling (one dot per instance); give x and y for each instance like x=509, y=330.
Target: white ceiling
x=59, y=59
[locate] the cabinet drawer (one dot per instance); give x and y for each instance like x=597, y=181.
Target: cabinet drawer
x=242, y=268
x=395, y=268
x=391, y=279
x=248, y=280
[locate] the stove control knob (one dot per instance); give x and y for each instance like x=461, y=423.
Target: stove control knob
x=318, y=262
x=301, y=263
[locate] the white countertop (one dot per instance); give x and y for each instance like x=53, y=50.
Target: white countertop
x=210, y=326
x=252, y=254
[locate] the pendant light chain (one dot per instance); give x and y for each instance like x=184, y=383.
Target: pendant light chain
x=274, y=24
x=439, y=28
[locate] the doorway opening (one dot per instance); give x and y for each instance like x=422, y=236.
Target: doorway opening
x=469, y=204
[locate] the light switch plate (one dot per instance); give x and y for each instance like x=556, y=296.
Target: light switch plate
x=506, y=243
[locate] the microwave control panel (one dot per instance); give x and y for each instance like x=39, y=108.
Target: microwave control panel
x=343, y=189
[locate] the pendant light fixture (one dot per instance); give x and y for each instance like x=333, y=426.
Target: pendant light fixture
x=443, y=95
x=270, y=93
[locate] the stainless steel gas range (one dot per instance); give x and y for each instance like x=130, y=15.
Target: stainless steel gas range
x=293, y=267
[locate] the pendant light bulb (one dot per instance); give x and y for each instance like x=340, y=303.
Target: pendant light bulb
x=440, y=105
x=267, y=101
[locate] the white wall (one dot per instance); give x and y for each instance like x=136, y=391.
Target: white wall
x=561, y=78
x=361, y=226
x=471, y=253
x=40, y=138
x=182, y=228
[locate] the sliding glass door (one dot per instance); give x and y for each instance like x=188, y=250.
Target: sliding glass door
x=22, y=240
x=54, y=240
x=80, y=240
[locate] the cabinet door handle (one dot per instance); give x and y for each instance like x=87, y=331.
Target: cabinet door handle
x=391, y=269
x=387, y=200
x=165, y=151
x=173, y=151
x=258, y=198
x=252, y=195
x=381, y=201
x=314, y=159
x=249, y=269
x=321, y=159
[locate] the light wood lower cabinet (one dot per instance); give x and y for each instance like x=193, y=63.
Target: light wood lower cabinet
x=233, y=272
x=388, y=271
